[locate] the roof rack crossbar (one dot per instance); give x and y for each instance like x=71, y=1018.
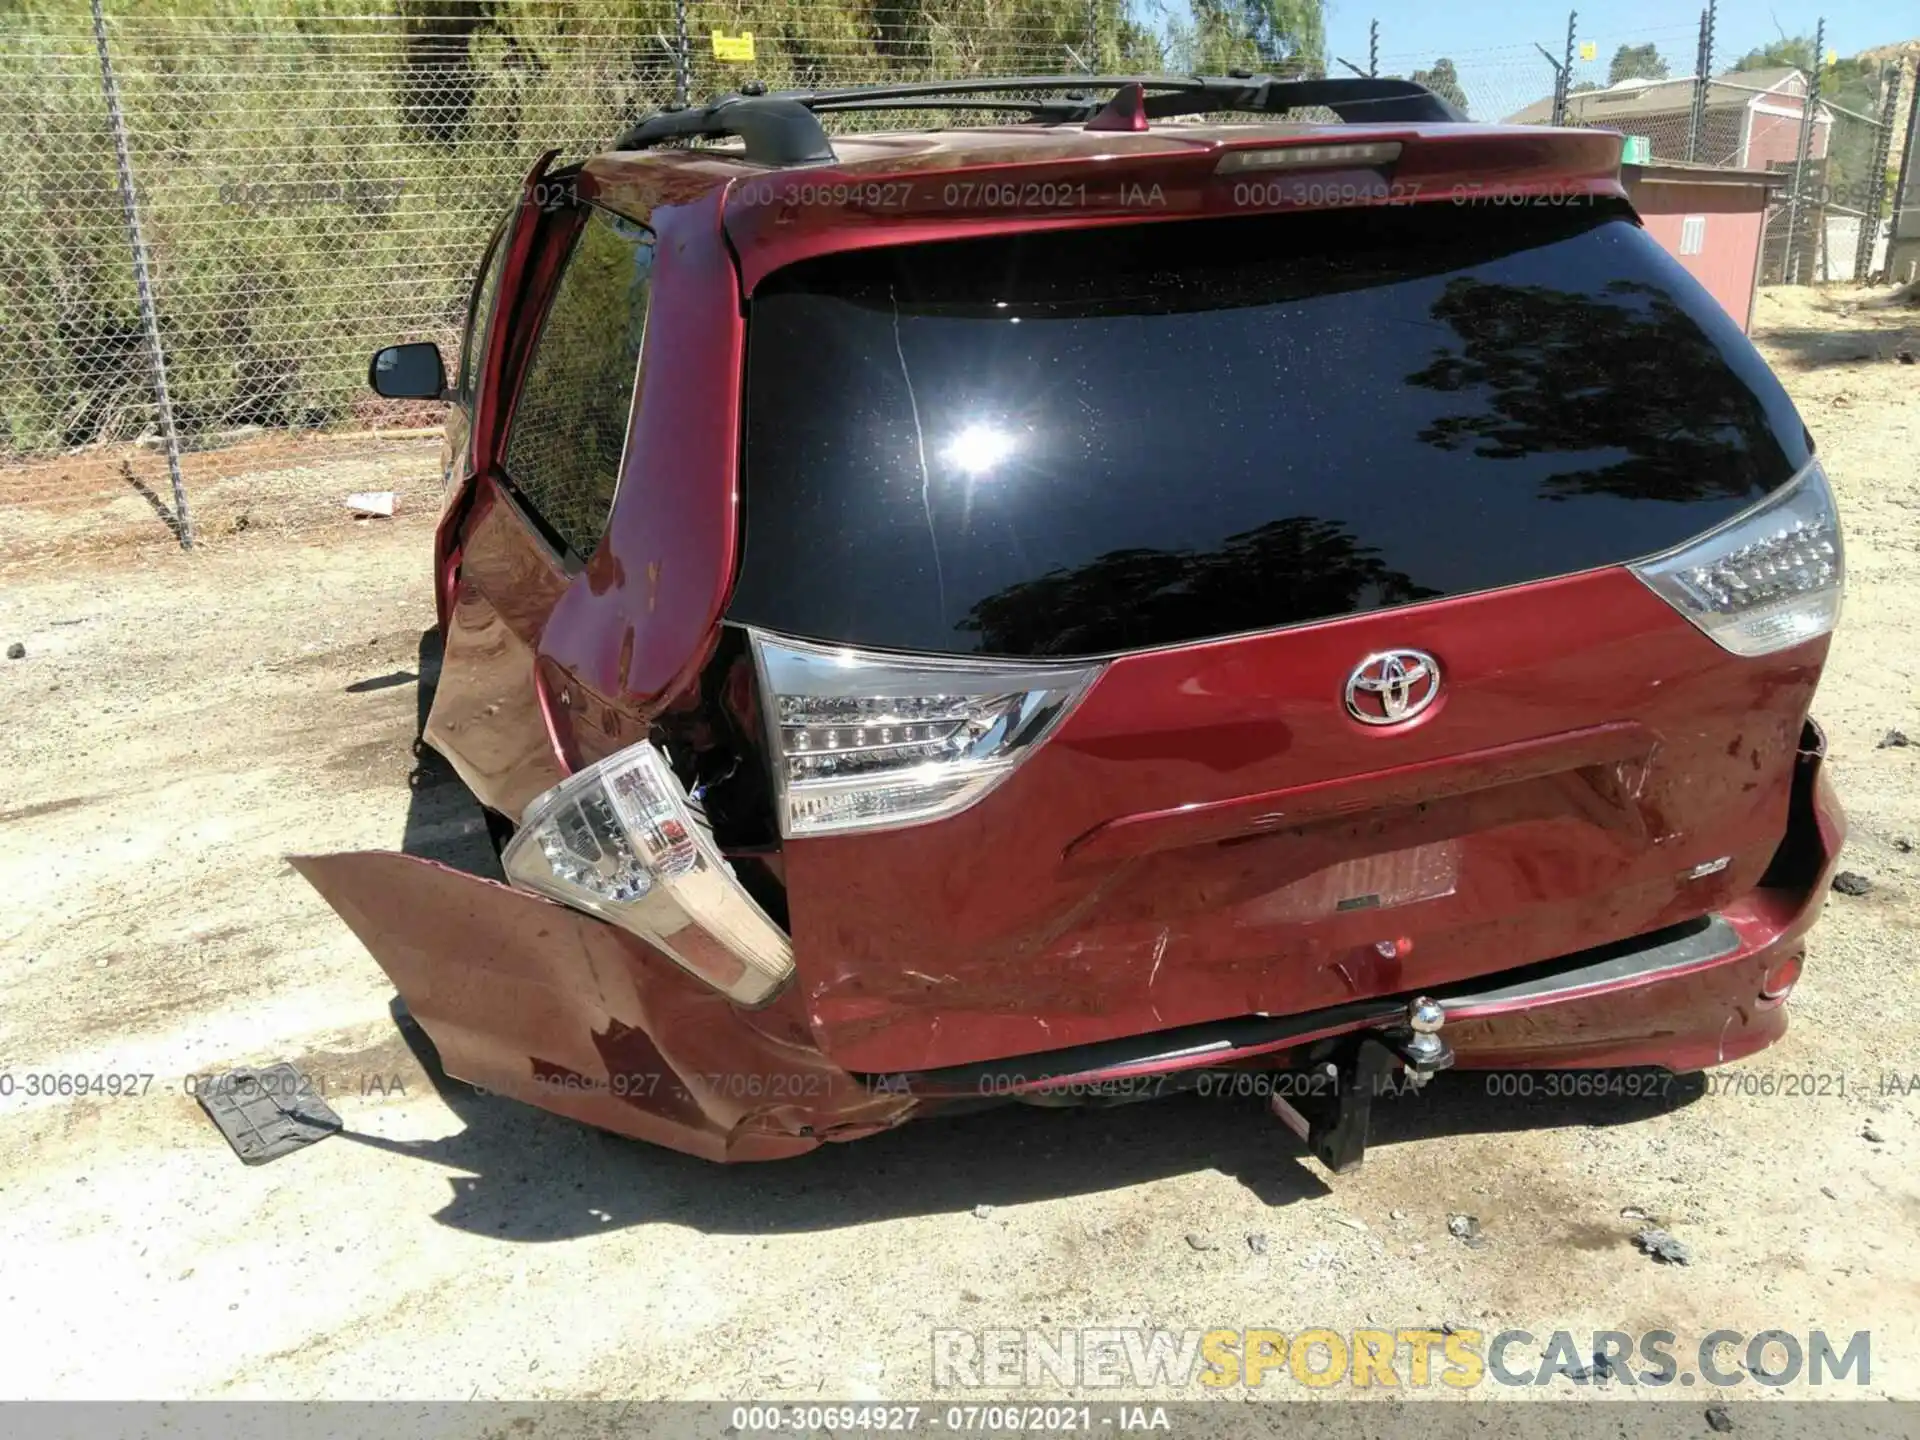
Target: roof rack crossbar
x=783, y=128
x=1064, y=109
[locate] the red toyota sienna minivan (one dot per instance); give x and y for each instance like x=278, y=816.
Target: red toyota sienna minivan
x=1058, y=608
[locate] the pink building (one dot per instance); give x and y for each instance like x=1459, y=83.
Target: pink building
x=1713, y=220
x=1752, y=119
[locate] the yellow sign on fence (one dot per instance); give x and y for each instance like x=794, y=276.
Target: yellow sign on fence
x=1589, y=50
x=736, y=48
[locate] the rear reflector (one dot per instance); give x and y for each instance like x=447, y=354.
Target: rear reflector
x=1769, y=578
x=1309, y=157
x=861, y=741
x=621, y=840
x=1780, y=981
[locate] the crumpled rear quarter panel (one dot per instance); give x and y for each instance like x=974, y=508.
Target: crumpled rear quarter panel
x=558, y=1009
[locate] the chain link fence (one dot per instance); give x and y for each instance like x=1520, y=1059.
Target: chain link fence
x=315, y=178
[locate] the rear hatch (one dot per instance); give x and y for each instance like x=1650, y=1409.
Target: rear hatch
x=1161, y=623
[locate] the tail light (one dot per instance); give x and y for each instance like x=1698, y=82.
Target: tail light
x=861, y=741
x=1769, y=578
x=621, y=840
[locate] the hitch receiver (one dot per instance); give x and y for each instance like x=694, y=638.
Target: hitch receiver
x=1335, y=1126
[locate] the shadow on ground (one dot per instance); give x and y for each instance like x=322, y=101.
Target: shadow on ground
x=146, y=492
x=1868, y=346
x=531, y=1176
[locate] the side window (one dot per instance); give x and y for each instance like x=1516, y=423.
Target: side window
x=569, y=427
x=473, y=341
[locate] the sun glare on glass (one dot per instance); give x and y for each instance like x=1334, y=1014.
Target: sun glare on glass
x=978, y=449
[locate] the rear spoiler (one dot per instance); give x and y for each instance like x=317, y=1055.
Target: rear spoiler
x=782, y=128
x=1166, y=174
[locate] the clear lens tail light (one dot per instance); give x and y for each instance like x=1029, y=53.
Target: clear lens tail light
x=1769, y=578
x=862, y=741
x=621, y=840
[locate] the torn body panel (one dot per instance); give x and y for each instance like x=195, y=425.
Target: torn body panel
x=487, y=719
x=532, y=1000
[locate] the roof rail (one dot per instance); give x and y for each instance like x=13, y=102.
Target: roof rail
x=777, y=130
x=782, y=128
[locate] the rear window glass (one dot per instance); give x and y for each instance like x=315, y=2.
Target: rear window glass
x=1100, y=440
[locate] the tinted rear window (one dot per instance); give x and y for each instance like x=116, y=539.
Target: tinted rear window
x=1076, y=443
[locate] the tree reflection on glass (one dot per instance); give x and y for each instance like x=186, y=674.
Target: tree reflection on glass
x=1282, y=573
x=1595, y=375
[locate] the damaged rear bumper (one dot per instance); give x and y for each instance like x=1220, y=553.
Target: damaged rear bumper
x=529, y=999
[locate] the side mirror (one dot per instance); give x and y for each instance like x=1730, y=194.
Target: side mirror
x=409, y=372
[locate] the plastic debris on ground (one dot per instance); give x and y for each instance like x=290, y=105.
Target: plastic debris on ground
x=371, y=502
x=267, y=1113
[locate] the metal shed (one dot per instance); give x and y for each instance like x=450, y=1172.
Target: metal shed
x=1711, y=219
x=1750, y=118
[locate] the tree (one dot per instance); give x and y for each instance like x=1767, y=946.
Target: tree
x=1444, y=81
x=1855, y=85
x=1636, y=62
x=1589, y=379
x=1293, y=32
x=1286, y=571
x=1794, y=50
x=1284, y=36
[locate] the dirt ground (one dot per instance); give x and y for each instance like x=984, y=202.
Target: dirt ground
x=180, y=723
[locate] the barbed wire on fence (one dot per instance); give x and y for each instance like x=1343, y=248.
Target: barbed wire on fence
x=316, y=177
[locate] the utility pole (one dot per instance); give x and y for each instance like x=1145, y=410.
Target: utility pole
x=1563, y=71
x=1877, y=181
x=142, y=280
x=1903, y=182
x=1809, y=105
x=682, y=58
x=1702, y=78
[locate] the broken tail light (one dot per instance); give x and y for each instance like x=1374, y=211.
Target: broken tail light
x=1770, y=577
x=621, y=840
x=861, y=741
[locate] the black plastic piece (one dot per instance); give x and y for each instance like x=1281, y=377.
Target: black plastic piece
x=1334, y=1123
x=1797, y=862
x=1355, y=100
x=1707, y=939
x=782, y=129
x=1339, y=1139
x=777, y=129
x=266, y=1113
x=1676, y=947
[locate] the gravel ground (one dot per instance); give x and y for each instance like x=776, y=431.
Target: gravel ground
x=178, y=724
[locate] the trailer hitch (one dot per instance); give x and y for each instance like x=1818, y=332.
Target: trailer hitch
x=1334, y=1123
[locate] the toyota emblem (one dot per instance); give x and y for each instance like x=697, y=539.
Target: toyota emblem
x=1390, y=687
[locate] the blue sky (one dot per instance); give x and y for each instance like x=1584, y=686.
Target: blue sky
x=1491, y=41
x=1477, y=25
